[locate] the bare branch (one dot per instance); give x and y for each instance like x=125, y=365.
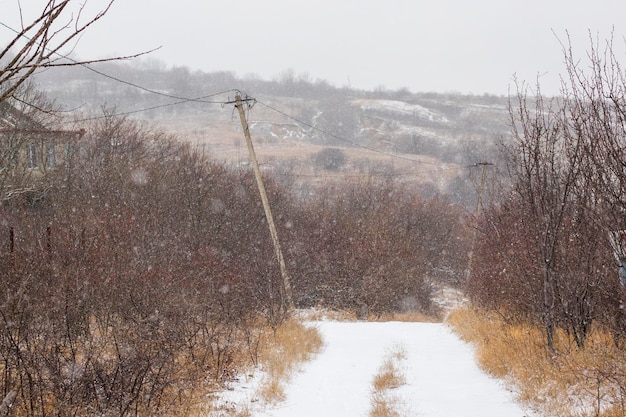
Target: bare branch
x=42, y=42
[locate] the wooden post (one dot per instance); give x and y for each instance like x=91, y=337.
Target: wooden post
x=286, y=287
x=479, y=199
x=479, y=205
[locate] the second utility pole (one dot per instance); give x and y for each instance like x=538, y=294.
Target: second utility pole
x=286, y=287
x=479, y=204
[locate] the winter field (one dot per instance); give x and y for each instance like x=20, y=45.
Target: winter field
x=435, y=373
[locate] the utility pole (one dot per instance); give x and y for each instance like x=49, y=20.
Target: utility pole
x=286, y=296
x=479, y=203
x=479, y=199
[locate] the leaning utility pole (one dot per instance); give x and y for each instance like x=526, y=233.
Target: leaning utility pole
x=479, y=204
x=479, y=199
x=287, y=299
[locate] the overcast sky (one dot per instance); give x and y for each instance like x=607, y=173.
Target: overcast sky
x=467, y=46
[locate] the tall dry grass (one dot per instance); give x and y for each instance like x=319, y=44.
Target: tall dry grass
x=573, y=383
x=282, y=353
x=277, y=355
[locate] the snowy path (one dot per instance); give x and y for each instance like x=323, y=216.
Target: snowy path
x=442, y=379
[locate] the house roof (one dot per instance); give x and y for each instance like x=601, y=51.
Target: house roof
x=14, y=121
x=12, y=118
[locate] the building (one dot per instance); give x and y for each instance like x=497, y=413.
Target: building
x=29, y=151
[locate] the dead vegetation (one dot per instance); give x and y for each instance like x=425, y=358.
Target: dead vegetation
x=284, y=351
x=281, y=352
x=389, y=377
x=145, y=272
x=572, y=382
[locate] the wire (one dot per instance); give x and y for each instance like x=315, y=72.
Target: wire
x=131, y=84
x=182, y=101
x=249, y=101
x=361, y=175
x=159, y=93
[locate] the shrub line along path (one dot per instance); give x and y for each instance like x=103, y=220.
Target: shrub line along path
x=441, y=376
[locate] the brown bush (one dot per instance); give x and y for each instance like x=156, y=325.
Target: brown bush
x=146, y=267
x=372, y=247
x=131, y=280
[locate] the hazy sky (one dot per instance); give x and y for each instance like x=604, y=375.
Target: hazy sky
x=468, y=46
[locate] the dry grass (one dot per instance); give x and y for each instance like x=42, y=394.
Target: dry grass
x=409, y=316
x=389, y=375
x=388, y=378
x=282, y=353
x=573, y=383
x=382, y=406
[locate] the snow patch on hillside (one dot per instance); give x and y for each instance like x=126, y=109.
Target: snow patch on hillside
x=419, y=131
x=402, y=108
x=277, y=130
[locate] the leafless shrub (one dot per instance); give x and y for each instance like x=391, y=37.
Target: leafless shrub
x=133, y=279
x=544, y=253
x=146, y=268
x=371, y=247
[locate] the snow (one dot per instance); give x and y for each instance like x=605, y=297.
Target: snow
x=401, y=107
x=442, y=378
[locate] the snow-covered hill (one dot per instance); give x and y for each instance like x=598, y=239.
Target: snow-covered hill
x=426, y=140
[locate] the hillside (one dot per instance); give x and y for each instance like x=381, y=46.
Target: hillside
x=427, y=140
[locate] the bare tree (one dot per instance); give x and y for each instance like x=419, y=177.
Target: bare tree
x=43, y=42
x=545, y=253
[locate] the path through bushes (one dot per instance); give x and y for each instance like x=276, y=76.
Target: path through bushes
x=440, y=375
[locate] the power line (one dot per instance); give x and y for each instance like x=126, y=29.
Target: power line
x=180, y=99
x=145, y=109
x=129, y=83
x=159, y=93
x=361, y=175
x=249, y=101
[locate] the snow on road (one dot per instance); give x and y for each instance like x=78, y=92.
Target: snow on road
x=442, y=379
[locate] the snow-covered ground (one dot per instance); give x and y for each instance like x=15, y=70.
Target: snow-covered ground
x=442, y=379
